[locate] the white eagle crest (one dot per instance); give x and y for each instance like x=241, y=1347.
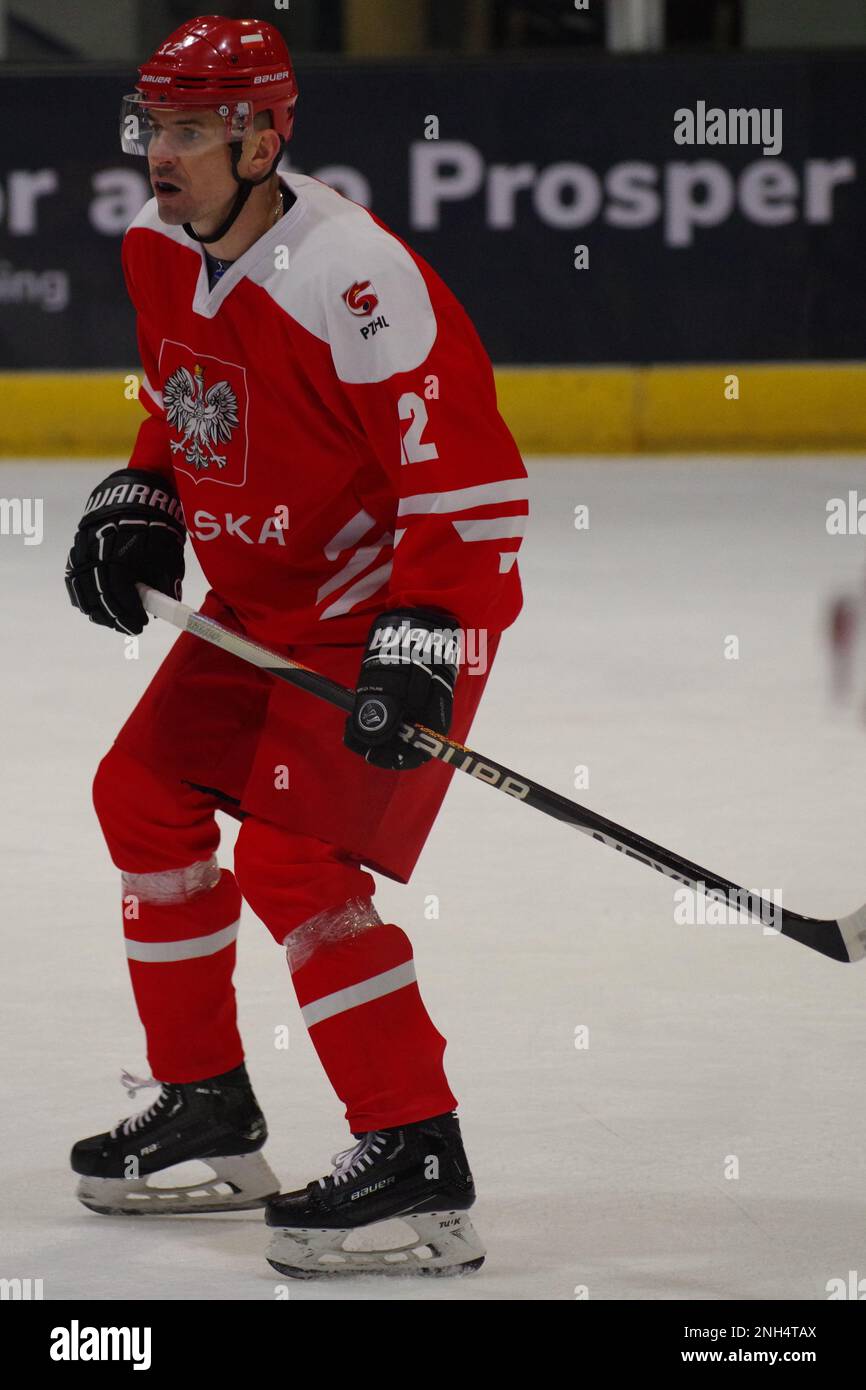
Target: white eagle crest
x=203, y=417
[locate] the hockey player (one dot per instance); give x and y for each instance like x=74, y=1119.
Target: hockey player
x=322, y=423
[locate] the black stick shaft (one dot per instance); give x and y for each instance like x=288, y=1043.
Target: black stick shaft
x=820, y=934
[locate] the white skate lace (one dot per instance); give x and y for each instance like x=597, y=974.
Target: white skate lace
x=133, y=1085
x=351, y=1161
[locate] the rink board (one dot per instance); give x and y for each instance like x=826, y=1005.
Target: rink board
x=608, y=409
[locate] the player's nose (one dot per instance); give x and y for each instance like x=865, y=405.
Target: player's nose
x=159, y=149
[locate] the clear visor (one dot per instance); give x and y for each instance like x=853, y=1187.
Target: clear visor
x=176, y=130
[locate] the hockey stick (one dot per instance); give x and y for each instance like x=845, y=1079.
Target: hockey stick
x=842, y=939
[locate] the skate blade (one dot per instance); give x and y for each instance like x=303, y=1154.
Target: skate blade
x=441, y=1243
x=241, y=1182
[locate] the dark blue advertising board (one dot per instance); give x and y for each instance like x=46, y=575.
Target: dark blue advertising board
x=610, y=210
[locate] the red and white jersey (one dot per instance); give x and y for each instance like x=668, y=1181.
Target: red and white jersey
x=330, y=418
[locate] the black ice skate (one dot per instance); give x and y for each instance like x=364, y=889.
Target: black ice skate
x=340, y=1225
x=217, y=1121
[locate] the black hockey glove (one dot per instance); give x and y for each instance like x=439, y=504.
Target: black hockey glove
x=407, y=676
x=132, y=532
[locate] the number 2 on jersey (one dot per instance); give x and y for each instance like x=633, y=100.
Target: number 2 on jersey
x=411, y=407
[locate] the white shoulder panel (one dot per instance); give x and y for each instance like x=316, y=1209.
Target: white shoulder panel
x=336, y=261
x=150, y=220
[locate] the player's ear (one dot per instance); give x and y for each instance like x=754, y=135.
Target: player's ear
x=261, y=148
x=271, y=145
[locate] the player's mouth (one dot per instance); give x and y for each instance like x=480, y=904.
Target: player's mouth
x=163, y=189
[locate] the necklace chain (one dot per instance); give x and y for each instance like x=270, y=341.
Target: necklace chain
x=278, y=212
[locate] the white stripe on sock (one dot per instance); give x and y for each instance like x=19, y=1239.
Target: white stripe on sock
x=374, y=988
x=189, y=949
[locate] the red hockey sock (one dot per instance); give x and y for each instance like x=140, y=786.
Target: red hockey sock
x=367, y=1021
x=353, y=974
x=180, y=917
x=181, y=959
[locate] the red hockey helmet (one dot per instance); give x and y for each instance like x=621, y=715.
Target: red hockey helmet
x=235, y=67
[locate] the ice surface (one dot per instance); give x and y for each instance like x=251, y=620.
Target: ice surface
x=601, y=1167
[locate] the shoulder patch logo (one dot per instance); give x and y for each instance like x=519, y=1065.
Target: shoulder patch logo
x=360, y=298
x=205, y=403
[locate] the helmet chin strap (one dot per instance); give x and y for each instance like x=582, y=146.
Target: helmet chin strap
x=245, y=188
